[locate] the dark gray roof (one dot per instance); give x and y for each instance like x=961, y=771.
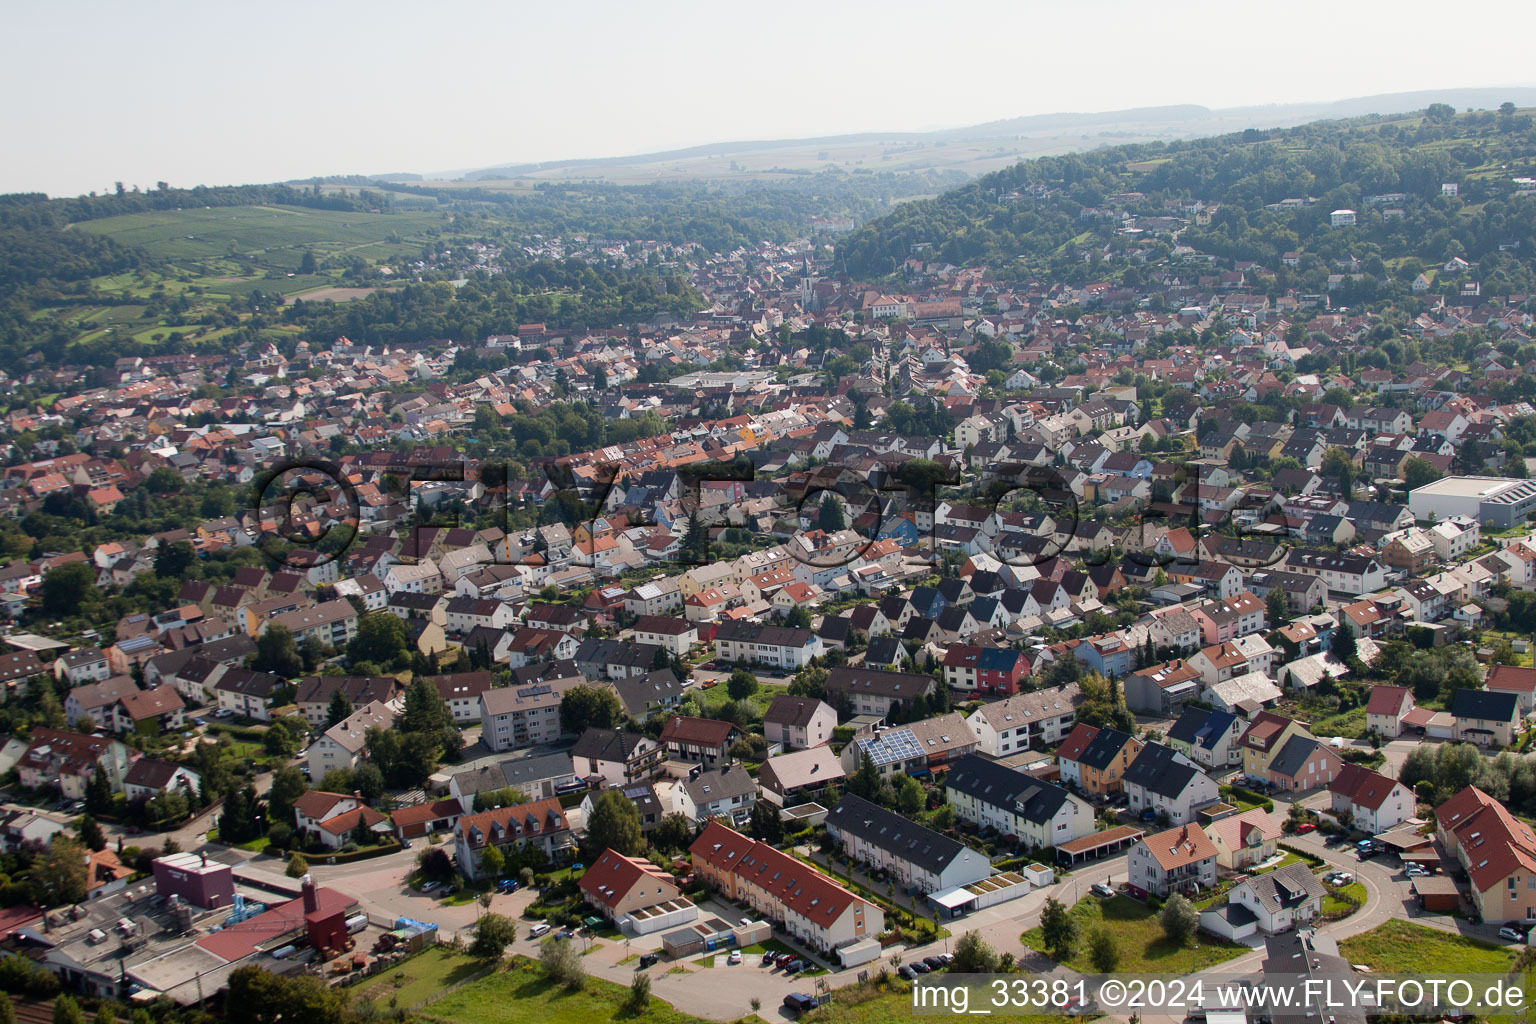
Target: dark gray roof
x=1488, y=705
x=1200, y=727
x=1286, y=887
x=886, y=830
x=1293, y=756
x=1101, y=750
x=607, y=744
x=644, y=694
x=996, y=784
x=1161, y=770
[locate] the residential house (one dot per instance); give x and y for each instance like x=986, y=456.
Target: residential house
x=1096, y=760
x=806, y=904
x=1163, y=780
x=608, y=757
x=1489, y=718
x=1182, y=859
x=796, y=723
x=1038, y=718
x=915, y=857
x=1374, y=802
x=993, y=796
x=797, y=777
x=1208, y=737
x=540, y=826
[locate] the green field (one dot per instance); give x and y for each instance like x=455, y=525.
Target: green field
x=1144, y=949
x=1399, y=947
x=192, y=235
x=418, y=978
x=868, y=1005
x=521, y=994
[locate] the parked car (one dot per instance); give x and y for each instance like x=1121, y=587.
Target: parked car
x=1416, y=871
x=1100, y=889
x=906, y=971
x=798, y=1002
x=431, y=886
x=538, y=930
x=784, y=959
x=1306, y=827
x=796, y=966
x=1511, y=933
x=934, y=963
x=947, y=958
x=648, y=959
x=920, y=967
x=734, y=958
x=1338, y=878
x=770, y=958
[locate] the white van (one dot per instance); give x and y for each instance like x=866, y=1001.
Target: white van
x=537, y=930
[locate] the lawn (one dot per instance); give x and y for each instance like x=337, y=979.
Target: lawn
x=1399, y=947
x=521, y=993
x=1144, y=949
x=1333, y=905
x=418, y=978
x=1327, y=721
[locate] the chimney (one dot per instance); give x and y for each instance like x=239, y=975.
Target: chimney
x=311, y=900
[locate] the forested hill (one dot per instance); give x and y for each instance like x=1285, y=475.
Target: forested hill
x=1063, y=216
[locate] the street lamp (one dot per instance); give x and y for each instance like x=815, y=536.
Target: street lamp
x=1194, y=960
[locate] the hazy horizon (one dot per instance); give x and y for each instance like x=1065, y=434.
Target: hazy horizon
x=221, y=95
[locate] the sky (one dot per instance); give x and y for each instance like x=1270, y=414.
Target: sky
x=221, y=93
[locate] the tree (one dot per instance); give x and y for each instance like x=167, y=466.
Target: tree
x=243, y=817
x=425, y=710
x=67, y=588
x=338, y=709
x=1058, y=929
x=380, y=639
x=297, y=867
x=91, y=834
x=368, y=780
x=173, y=561
x=866, y=781
x=493, y=934
x=434, y=863
x=66, y=1011
x=910, y=797
x=1103, y=951
x=1338, y=464
x=288, y=784
x=1417, y=472
x=639, y=993
x=561, y=963
x=493, y=862
x=60, y=873
x=830, y=517
x=767, y=826
x=741, y=685
x=590, y=707
x=1179, y=919
x=98, y=793
x=1278, y=605
x=615, y=825
x=973, y=955
x=277, y=653
x=674, y=831
x=257, y=996
x=1344, y=647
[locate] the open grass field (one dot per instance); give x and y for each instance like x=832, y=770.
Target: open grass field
x=1399, y=947
x=521, y=994
x=418, y=978
x=1144, y=949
